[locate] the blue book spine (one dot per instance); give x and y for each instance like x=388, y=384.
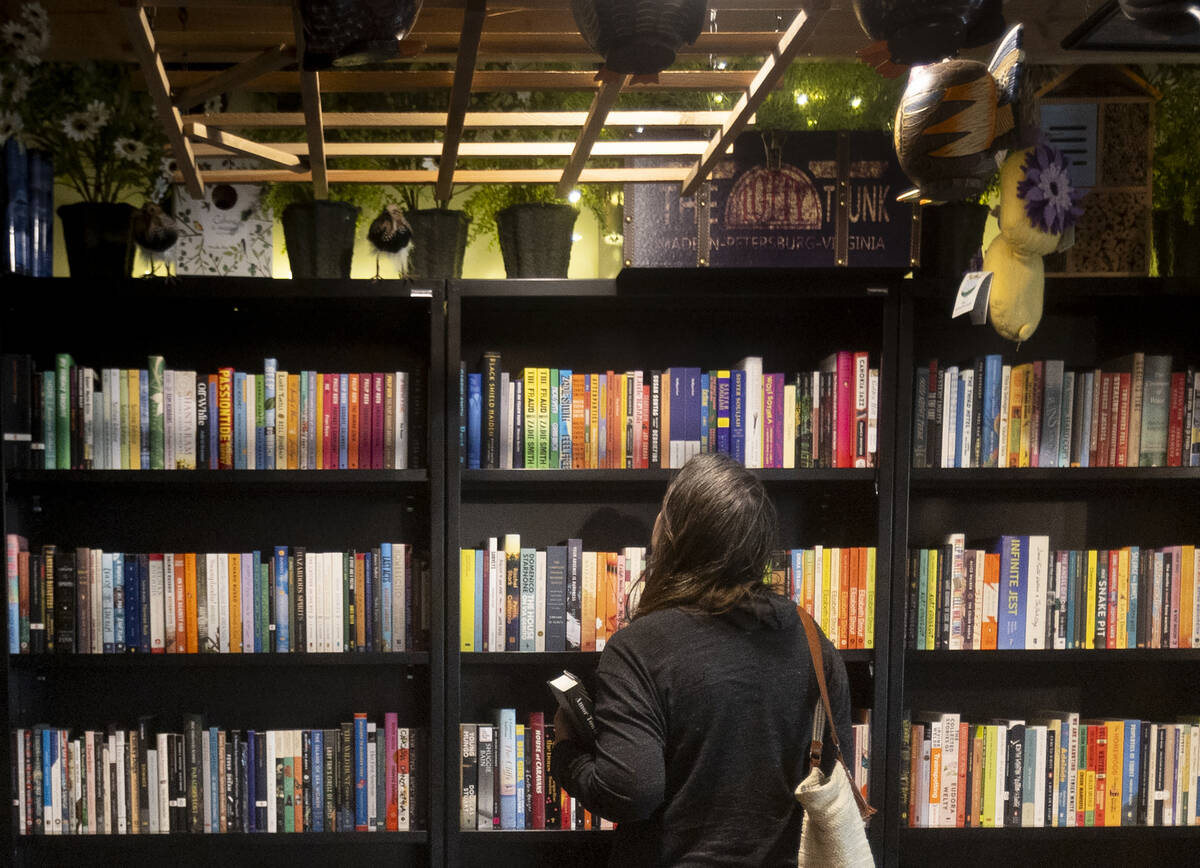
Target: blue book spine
x=554, y=413
x=1063, y=747
x=270, y=369
x=1135, y=574
x=1131, y=765
x=360, y=773
x=49, y=754
x=474, y=420
x=385, y=577
x=797, y=556
x=1029, y=767
x=565, y=453
x=343, y=421
x=556, y=598
x=462, y=413
x=990, y=434
x=143, y=574
x=521, y=760
x=250, y=781
x=678, y=422
x=239, y=420
x=214, y=429
x=133, y=609
x=706, y=414
x=369, y=592
x=49, y=429
x=17, y=249
x=959, y=431
x=477, y=627
x=506, y=766
x=281, y=599
x=737, y=416
x=922, y=600
x=144, y=415
x=318, y=779
x=118, y=602
x=214, y=769
x=1013, y=554
x=41, y=213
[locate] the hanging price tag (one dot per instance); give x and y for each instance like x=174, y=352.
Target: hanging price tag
x=973, y=295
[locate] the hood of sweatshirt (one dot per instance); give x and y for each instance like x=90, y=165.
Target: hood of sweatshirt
x=763, y=612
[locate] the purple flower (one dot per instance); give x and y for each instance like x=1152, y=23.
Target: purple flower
x=1051, y=203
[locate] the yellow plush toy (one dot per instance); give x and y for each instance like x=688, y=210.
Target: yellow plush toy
x=1038, y=208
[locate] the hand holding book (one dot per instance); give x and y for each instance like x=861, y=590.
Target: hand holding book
x=574, y=719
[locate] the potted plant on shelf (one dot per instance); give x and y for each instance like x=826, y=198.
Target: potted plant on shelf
x=105, y=141
x=319, y=233
x=1176, y=174
x=439, y=233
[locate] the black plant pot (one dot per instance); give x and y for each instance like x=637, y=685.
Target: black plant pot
x=535, y=239
x=1176, y=245
x=439, y=242
x=639, y=36
x=99, y=238
x=950, y=236
x=319, y=237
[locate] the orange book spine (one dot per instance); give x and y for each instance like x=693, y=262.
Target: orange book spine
x=178, y=607
x=579, y=457
x=189, y=597
x=588, y=619
x=991, y=592
x=860, y=576
x=235, y=603
x=664, y=424
x=593, y=421
x=851, y=566
x=844, y=583
x=960, y=807
x=612, y=581
x=225, y=418
x=293, y=422
x=1187, y=594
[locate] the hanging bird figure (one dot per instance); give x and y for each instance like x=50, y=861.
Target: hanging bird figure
x=156, y=232
x=390, y=234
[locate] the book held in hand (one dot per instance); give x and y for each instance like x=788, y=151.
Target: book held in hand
x=577, y=705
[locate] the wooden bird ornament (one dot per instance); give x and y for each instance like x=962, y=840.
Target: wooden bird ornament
x=391, y=235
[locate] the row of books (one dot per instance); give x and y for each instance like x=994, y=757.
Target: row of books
x=556, y=418
x=363, y=776
x=80, y=418
x=504, y=777
x=28, y=179
x=1023, y=595
x=89, y=601
x=562, y=598
x=1052, y=770
x=836, y=585
x=1132, y=412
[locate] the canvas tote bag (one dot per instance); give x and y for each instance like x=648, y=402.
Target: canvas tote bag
x=835, y=813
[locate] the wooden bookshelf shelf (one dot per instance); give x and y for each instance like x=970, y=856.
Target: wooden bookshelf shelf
x=1071, y=657
x=154, y=662
x=1091, y=479
x=544, y=659
x=198, y=480
x=226, y=289
x=928, y=837
x=542, y=836
x=147, y=846
x=486, y=480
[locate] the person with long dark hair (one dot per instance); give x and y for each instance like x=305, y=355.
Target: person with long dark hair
x=704, y=702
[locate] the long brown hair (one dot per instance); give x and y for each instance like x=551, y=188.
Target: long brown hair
x=712, y=545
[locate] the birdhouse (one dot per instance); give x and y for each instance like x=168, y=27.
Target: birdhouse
x=1102, y=117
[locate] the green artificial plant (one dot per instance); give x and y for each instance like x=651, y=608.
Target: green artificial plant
x=1176, y=176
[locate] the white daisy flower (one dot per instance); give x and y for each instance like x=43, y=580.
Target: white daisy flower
x=10, y=125
x=35, y=13
x=19, y=88
x=18, y=35
x=99, y=112
x=131, y=149
x=212, y=105
x=80, y=126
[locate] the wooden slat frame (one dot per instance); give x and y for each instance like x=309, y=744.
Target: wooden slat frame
x=314, y=125
x=460, y=95
x=503, y=150
x=764, y=82
x=245, y=147
x=472, y=120
x=602, y=104
x=142, y=39
x=269, y=61
x=655, y=175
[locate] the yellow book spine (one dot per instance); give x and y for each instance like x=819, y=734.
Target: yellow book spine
x=123, y=380
x=1187, y=592
x=989, y=776
x=466, y=600
x=530, y=377
x=931, y=601
x=869, y=627
x=1016, y=406
x=319, y=433
x=293, y=422
x=135, y=421
x=1113, y=786
x=1027, y=432
x=235, y=603
x=1122, y=600
x=1089, y=614
x=822, y=576
x=543, y=418
x=1089, y=798
x=281, y=420
x=623, y=384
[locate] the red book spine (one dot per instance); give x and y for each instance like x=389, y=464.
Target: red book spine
x=917, y=736
x=613, y=418
x=537, y=725
x=364, y=421
x=1101, y=771
x=377, y=418
x=845, y=410
x=225, y=418
x=352, y=402
x=328, y=437
x=1104, y=419
x=334, y=403
x=1114, y=419
x=1175, y=421
x=1125, y=386
x=1110, y=635
x=964, y=745
x=645, y=453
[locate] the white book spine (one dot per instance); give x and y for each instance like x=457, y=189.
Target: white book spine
x=212, y=603
x=157, y=636
x=1005, y=397
x=872, y=415
x=752, y=365
x=248, y=597
x=159, y=772
x=88, y=387
x=119, y=761
x=114, y=428
x=331, y=589
x=108, y=746
x=168, y=604
x=185, y=420
x=89, y=756
x=539, y=604
x=272, y=822
x=152, y=790
x=1039, y=799
x=96, y=601
x=507, y=396
x=1036, y=599
x=402, y=422
x=979, y=615
x=249, y=423
x=496, y=586
x=789, y=425
x=950, y=760
x=171, y=402
x=312, y=605
x=966, y=434
x=23, y=807
x=403, y=779
x=337, y=607
x=223, y=601
x=1001, y=773
x=281, y=423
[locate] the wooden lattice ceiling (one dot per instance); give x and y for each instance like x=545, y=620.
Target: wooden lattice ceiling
x=191, y=49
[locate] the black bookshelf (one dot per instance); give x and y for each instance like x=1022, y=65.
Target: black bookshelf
x=1086, y=322
x=647, y=320
x=202, y=323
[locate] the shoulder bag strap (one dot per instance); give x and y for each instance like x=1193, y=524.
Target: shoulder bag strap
x=816, y=748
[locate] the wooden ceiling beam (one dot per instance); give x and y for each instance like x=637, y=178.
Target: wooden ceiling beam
x=245, y=147
x=483, y=81
x=472, y=120
x=160, y=93
x=314, y=124
x=460, y=95
x=655, y=175
x=740, y=115
x=500, y=150
x=602, y=103
x=239, y=75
